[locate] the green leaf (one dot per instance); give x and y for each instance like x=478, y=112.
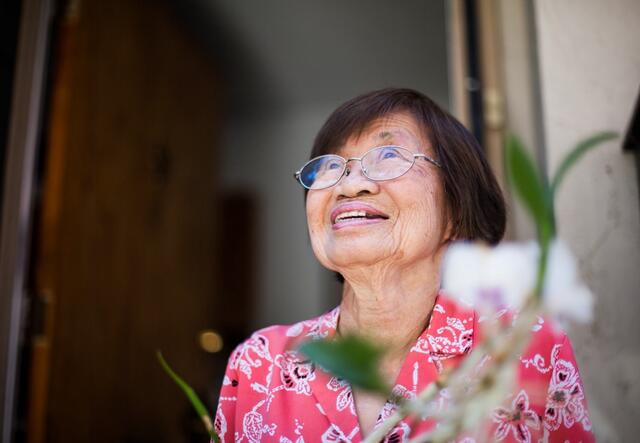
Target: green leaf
x=530, y=189
x=576, y=153
x=192, y=396
x=350, y=358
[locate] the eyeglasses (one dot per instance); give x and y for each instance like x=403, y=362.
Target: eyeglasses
x=378, y=164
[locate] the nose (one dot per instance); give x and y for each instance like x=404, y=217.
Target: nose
x=354, y=182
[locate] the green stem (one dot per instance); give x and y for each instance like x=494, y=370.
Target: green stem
x=193, y=398
x=542, y=268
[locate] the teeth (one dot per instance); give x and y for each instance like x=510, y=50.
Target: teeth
x=350, y=214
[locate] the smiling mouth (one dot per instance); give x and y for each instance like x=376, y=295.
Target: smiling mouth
x=357, y=215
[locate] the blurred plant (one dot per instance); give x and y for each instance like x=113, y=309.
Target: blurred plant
x=193, y=398
x=529, y=278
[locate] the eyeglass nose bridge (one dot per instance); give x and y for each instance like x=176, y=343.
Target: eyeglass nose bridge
x=347, y=169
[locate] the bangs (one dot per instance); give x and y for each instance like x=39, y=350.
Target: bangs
x=353, y=117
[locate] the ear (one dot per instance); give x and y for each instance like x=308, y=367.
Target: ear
x=447, y=232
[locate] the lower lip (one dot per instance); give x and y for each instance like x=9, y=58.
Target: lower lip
x=356, y=222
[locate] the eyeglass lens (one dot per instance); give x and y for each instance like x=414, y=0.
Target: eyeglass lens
x=384, y=163
x=387, y=162
x=322, y=172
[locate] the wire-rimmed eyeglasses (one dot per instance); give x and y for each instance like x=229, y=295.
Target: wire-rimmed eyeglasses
x=378, y=164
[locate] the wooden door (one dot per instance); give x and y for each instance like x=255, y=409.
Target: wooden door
x=125, y=256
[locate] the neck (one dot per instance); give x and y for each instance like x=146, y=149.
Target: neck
x=390, y=306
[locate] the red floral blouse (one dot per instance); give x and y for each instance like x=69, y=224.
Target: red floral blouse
x=271, y=392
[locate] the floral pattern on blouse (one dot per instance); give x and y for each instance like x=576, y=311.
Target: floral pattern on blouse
x=271, y=392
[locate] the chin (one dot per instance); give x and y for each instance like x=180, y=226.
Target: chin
x=354, y=253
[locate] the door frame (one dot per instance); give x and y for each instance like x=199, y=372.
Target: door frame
x=15, y=228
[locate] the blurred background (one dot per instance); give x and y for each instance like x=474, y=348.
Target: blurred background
x=146, y=157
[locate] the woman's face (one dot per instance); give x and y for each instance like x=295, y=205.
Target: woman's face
x=404, y=223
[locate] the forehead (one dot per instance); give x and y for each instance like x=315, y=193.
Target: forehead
x=395, y=129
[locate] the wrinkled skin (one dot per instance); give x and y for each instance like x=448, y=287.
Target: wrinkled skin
x=413, y=203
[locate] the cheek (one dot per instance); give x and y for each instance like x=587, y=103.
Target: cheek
x=422, y=220
x=315, y=212
x=315, y=219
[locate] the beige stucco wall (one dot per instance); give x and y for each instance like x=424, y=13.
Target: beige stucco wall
x=589, y=65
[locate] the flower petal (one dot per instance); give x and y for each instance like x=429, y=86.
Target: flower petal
x=565, y=297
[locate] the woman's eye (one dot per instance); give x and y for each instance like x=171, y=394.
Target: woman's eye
x=389, y=153
x=333, y=165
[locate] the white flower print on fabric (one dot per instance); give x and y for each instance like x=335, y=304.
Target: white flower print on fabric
x=254, y=427
x=537, y=362
x=220, y=424
x=565, y=398
x=344, y=399
x=295, y=330
x=250, y=354
x=334, y=434
x=454, y=338
x=421, y=346
x=295, y=373
x=316, y=328
x=537, y=326
x=403, y=392
x=390, y=407
x=398, y=434
x=298, y=432
x=518, y=420
x=387, y=410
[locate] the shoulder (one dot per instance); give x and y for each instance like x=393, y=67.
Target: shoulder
x=547, y=344
x=267, y=343
x=547, y=347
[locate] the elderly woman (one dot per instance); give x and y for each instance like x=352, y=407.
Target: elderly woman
x=392, y=180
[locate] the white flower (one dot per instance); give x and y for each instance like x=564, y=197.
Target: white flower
x=565, y=296
x=490, y=278
x=505, y=275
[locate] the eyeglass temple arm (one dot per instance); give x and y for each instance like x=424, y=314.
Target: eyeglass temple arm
x=429, y=159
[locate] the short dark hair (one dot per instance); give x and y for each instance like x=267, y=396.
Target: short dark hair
x=474, y=204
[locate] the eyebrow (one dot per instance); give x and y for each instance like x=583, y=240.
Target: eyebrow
x=384, y=135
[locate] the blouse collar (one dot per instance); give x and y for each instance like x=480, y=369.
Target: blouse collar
x=450, y=331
